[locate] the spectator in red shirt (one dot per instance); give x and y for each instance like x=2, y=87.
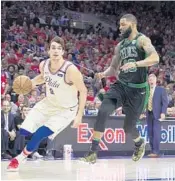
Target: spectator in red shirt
x=21, y=100
x=90, y=95
x=4, y=84
x=35, y=65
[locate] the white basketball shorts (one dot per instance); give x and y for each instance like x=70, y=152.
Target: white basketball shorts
x=44, y=114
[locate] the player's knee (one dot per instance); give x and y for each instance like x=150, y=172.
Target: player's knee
x=24, y=132
x=105, y=108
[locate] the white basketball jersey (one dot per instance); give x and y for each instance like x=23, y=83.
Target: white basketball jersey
x=58, y=92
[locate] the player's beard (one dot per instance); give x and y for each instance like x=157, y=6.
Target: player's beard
x=126, y=33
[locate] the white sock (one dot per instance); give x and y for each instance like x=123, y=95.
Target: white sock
x=21, y=156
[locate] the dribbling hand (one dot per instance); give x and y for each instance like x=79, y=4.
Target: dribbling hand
x=128, y=66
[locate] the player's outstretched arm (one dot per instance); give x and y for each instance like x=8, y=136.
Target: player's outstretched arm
x=112, y=70
x=152, y=55
x=39, y=79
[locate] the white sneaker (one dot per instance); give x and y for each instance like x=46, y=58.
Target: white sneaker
x=37, y=155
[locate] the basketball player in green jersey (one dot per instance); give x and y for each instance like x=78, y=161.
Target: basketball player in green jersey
x=133, y=55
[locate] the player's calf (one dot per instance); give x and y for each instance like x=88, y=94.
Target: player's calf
x=15, y=162
x=32, y=145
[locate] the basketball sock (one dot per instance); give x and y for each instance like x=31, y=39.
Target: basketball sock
x=94, y=145
x=38, y=136
x=22, y=156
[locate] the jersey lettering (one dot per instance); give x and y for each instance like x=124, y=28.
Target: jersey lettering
x=51, y=83
x=128, y=52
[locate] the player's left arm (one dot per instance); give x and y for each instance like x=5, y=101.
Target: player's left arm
x=152, y=55
x=74, y=76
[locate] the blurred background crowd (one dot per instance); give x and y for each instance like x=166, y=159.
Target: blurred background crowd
x=27, y=28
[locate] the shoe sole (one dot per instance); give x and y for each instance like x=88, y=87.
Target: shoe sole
x=143, y=153
x=84, y=161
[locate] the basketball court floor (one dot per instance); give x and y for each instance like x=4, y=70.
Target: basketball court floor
x=118, y=169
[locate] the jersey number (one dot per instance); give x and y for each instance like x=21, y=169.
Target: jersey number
x=131, y=69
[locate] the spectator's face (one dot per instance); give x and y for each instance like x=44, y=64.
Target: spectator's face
x=21, y=61
x=8, y=97
x=25, y=111
x=21, y=72
x=42, y=96
x=4, y=64
x=152, y=80
x=34, y=93
x=20, y=98
x=11, y=69
x=6, y=106
x=91, y=105
x=97, y=104
x=38, y=98
x=91, y=93
x=31, y=74
x=35, y=62
x=56, y=51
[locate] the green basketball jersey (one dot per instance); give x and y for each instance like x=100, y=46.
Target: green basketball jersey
x=130, y=52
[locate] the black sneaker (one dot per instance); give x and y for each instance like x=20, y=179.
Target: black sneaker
x=139, y=152
x=90, y=157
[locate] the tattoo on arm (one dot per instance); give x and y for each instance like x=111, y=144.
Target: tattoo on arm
x=147, y=46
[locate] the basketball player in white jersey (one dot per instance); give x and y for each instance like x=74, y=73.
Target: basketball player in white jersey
x=60, y=106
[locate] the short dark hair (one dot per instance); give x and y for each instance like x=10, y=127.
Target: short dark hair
x=59, y=40
x=11, y=66
x=24, y=106
x=130, y=17
x=21, y=67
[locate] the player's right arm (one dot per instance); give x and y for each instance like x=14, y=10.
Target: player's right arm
x=39, y=79
x=112, y=69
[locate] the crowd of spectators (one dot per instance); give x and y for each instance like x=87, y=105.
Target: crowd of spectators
x=27, y=28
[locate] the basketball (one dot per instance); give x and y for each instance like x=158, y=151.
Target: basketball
x=22, y=85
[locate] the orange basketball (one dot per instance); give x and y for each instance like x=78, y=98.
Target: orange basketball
x=22, y=85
